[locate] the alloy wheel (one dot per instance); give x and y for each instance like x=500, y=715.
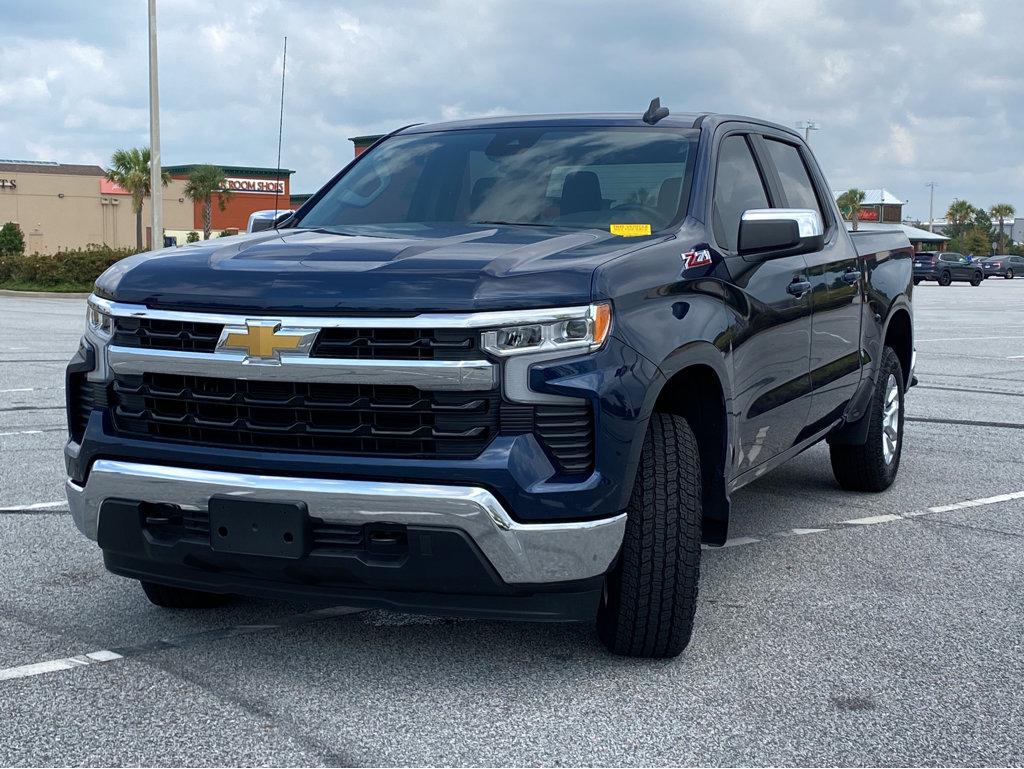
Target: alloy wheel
x=891, y=420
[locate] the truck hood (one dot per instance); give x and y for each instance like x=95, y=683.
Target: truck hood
x=303, y=271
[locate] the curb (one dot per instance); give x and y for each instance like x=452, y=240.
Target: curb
x=44, y=294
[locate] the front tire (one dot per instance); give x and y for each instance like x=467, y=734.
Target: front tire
x=651, y=594
x=872, y=466
x=945, y=279
x=168, y=597
x=916, y=281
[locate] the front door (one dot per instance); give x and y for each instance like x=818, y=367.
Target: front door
x=771, y=301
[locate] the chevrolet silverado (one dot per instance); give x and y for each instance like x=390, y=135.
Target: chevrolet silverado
x=507, y=367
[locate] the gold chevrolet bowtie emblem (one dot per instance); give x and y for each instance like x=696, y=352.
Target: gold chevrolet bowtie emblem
x=263, y=340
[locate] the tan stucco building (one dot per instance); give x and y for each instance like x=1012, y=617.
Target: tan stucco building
x=61, y=206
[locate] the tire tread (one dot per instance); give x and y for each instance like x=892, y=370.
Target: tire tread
x=651, y=614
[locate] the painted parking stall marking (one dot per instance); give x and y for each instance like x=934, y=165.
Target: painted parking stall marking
x=148, y=647
x=870, y=520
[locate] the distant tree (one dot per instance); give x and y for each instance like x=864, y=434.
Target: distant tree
x=130, y=169
x=192, y=237
x=203, y=183
x=12, y=241
x=849, y=205
x=958, y=218
x=976, y=241
x=1000, y=212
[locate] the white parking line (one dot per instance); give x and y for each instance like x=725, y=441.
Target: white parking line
x=35, y=506
x=872, y=520
x=33, y=432
x=191, y=639
x=965, y=338
x=52, y=666
x=977, y=502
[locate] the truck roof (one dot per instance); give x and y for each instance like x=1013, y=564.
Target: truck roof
x=629, y=119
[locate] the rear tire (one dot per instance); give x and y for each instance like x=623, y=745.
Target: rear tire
x=945, y=279
x=168, y=597
x=651, y=594
x=916, y=281
x=1009, y=275
x=977, y=278
x=870, y=466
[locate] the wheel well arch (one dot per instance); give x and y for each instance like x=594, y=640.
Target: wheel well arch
x=695, y=393
x=899, y=335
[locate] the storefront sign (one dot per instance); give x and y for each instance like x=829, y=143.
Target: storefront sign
x=8, y=184
x=254, y=185
x=868, y=215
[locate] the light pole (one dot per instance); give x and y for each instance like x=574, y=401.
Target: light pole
x=808, y=126
x=931, y=203
x=156, y=197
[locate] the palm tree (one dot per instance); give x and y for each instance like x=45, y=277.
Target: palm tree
x=129, y=169
x=202, y=183
x=999, y=212
x=958, y=218
x=849, y=204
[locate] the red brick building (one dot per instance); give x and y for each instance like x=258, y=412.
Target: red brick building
x=252, y=189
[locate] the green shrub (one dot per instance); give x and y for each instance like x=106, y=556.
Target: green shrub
x=12, y=241
x=192, y=237
x=66, y=271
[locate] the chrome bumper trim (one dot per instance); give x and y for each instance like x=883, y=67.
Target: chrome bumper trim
x=487, y=319
x=424, y=374
x=519, y=552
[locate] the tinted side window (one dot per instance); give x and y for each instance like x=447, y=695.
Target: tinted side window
x=796, y=182
x=738, y=188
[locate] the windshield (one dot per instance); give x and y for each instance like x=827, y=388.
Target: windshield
x=539, y=176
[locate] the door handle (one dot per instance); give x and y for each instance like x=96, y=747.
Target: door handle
x=851, y=276
x=799, y=287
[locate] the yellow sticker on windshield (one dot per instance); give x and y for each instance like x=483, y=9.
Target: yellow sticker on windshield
x=629, y=230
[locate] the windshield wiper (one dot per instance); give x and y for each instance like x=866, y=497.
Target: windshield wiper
x=516, y=224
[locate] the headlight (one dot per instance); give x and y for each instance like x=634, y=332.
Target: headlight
x=582, y=331
x=99, y=321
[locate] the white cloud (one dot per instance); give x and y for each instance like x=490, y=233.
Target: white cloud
x=905, y=91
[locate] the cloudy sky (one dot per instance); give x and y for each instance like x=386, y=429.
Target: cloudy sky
x=905, y=91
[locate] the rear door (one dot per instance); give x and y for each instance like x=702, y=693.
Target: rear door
x=837, y=301
x=771, y=343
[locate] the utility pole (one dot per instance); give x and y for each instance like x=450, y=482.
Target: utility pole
x=156, y=191
x=931, y=204
x=808, y=126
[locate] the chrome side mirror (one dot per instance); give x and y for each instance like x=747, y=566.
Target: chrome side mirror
x=770, y=233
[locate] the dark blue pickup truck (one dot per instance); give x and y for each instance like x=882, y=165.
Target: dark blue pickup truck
x=510, y=367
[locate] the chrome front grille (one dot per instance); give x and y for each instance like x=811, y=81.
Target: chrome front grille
x=347, y=343
x=417, y=386
x=396, y=344
x=176, y=335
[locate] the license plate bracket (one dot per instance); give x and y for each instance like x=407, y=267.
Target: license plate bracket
x=253, y=527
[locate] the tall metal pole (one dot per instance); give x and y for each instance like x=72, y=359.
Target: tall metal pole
x=156, y=196
x=808, y=126
x=280, y=130
x=931, y=204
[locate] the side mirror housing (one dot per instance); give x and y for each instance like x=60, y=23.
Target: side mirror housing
x=771, y=233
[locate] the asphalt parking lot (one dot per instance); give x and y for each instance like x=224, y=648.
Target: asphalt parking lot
x=835, y=629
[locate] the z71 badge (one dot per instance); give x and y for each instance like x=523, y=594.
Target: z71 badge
x=697, y=258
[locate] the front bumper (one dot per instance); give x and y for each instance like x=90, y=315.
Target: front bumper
x=520, y=553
